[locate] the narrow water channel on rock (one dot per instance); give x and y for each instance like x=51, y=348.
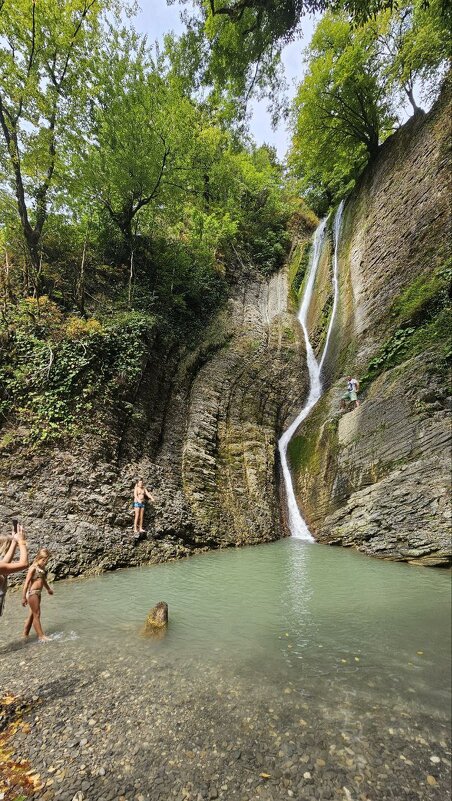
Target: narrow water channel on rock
x=297, y=526
x=301, y=658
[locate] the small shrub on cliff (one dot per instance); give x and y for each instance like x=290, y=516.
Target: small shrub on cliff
x=79, y=328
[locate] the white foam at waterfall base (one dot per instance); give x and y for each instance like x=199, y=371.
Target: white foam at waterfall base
x=297, y=525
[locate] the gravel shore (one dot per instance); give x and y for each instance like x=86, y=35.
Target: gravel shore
x=111, y=727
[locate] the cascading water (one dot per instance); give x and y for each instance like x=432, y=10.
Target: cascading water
x=297, y=525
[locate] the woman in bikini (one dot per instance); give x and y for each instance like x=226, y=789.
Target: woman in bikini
x=140, y=493
x=8, y=547
x=31, y=594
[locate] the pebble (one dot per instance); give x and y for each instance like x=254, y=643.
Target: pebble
x=149, y=730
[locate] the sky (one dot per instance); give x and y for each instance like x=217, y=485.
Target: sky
x=157, y=18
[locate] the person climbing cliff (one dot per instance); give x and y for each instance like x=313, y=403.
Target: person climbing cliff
x=8, y=547
x=352, y=393
x=140, y=494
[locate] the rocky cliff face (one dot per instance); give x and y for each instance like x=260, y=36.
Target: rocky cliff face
x=202, y=433
x=378, y=477
x=204, y=423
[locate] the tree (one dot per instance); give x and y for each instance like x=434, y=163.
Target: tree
x=140, y=128
x=45, y=52
x=237, y=43
x=342, y=110
x=414, y=44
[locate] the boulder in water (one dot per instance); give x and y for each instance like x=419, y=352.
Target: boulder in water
x=157, y=619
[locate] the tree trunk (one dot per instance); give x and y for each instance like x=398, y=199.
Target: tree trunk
x=131, y=279
x=5, y=283
x=81, y=282
x=206, y=192
x=372, y=143
x=37, y=273
x=410, y=94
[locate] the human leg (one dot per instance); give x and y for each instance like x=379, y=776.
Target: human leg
x=28, y=624
x=34, y=602
x=136, y=519
x=141, y=529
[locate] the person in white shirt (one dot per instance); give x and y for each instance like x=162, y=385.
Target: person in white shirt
x=352, y=393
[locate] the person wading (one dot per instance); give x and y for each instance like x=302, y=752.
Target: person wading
x=35, y=582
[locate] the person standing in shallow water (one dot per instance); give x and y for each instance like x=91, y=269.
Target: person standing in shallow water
x=35, y=582
x=140, y=494
x=352, y=393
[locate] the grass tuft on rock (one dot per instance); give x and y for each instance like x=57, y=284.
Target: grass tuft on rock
x=423, y=315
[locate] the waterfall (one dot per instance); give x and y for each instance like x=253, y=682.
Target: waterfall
x=297, y=525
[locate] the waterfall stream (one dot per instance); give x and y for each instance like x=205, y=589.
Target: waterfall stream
x=297, y=525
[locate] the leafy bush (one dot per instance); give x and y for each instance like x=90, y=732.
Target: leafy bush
x=51, y=379
x=423, y=314
x=78, y=327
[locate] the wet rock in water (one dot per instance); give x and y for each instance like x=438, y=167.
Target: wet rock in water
x=157, y=619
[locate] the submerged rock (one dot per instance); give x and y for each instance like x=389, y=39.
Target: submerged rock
x=157, y=619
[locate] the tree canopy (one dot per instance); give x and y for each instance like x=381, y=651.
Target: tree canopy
x=45, y=58
x=357, y=81
x=131, y=193
x=237, y=43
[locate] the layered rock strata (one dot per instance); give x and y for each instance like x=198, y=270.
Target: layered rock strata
x=202, y=433
x=378, y=477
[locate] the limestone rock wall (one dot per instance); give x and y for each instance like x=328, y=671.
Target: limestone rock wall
x=378, y=478
x=203, y=434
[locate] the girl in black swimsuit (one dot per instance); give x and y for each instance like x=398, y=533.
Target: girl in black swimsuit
x=31, y=594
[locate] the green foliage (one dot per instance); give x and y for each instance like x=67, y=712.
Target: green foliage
x=423, y=314
x=142, y=127
x=55, y=376
x=358, y=79
x=46, y=71
x=341, y=112
x=125, y=207
x=236, y=44
x=414, y=43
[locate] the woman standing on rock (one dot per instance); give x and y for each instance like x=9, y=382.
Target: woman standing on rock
x=31, y=594
x=140, y=494
x=8, y=547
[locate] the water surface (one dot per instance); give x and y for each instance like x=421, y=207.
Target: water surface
x=325, y=668
x=286, y=610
